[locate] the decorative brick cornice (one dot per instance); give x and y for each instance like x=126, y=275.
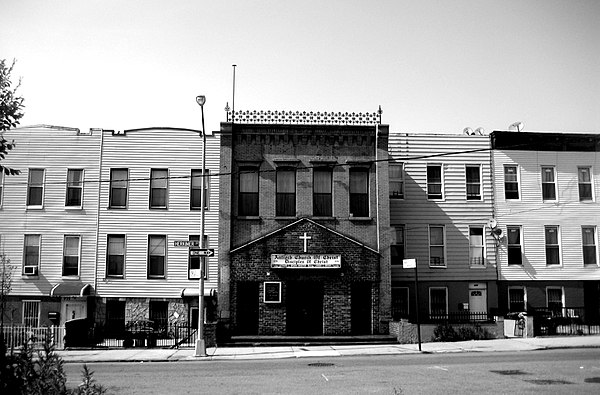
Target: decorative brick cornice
x=304, y=118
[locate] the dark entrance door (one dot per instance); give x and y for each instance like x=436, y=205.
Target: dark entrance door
x=304, y=304
x=361, y=309
x=247, y=308
x=591, y=301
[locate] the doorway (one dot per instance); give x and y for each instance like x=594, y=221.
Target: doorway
x=247, y=308
x=304, y=308
x=478, y=300
x=72, y=309
x=360, y=301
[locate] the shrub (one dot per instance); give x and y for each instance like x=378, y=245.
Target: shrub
x=446, y=333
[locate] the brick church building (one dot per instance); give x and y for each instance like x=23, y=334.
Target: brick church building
x=304, y=225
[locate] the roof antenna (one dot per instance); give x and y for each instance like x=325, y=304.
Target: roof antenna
x=233, y=101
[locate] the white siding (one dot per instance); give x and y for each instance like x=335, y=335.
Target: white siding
x=139, y=151
x=532, y=213
x=455, y=212
x=55, y=150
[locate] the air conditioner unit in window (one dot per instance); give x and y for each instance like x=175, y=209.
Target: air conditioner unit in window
x=30, y=270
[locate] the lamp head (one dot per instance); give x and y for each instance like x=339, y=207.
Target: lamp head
x=201, y=100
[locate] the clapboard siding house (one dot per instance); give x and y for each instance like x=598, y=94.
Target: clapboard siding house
x=547, y=188
x=304, y=221
x=48, y=222
x=150, y=199
x=441, y=203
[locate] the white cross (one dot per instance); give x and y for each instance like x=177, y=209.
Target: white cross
x=306, y=239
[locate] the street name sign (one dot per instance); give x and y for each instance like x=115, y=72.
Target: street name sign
x=203, y=252
x=186, y=243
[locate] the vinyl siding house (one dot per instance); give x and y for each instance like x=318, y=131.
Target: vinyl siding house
x=547, y=187
x=441, y=204
x=48, y=223
x=149, y=200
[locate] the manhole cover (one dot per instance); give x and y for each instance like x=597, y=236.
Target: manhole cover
x=548, y=382
x=320, y=364
x=509, y=372
x=593, y=380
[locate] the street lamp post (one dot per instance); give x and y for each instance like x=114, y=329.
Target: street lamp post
x=200, y=350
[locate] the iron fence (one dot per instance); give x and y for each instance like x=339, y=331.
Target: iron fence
x=460, y=317
x=144, y=334
x=16, y=336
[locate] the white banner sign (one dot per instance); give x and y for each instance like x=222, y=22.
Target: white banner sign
x=306, y=261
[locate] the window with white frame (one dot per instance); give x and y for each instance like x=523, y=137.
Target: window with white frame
x=35, y=188
x=119, y=180
x=514, y=246
x=552, y=245
x=555, y=300
x=194, y=261
x=71, y=248
x=115, y=256
x=476, y=246
x=398, y=247
x=195, y=189
x=438, y=303
x=584, y=175
x=511, y=182
x=548, y=183
x=517, y=299
x=400, y=303
x=396, y=174
x=159, y=181
x=588, y=241
x=31, y=254
x=473, y=179
x=157, y=253
x=437, y=250
x=434, y=182
x=31, y=313
x=74, y=196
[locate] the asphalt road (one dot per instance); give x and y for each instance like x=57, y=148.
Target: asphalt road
x=566, y=371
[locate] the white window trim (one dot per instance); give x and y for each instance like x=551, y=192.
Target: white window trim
x=82, y=190
x=115, y=276
x=595, y=230
x=445, y=265
x=438, y=288
x=521, y=287
x=559, y=240
x=39, y=265
x=110, y=188
x=480, y=183
x=483, y=265
x=593, y=199
x=542, y=167
x=166, y=205
x=521, y=245
x=36, y=206
x=401, y=179
x=518, y=181
x=441, y=165
x=165, y=263
x=78, y=256
x=2, y=178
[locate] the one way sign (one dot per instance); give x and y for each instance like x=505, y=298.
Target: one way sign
x=203, y=252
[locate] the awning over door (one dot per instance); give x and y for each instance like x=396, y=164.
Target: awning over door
x=71, y=289
x=191, y=292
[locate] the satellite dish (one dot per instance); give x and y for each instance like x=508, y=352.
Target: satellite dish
x=468, y=131
x=492, y=223
x=480, y=131
x=518, y=126
x=497, y=231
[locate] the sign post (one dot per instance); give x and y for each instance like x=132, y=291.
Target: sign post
x=408, y=264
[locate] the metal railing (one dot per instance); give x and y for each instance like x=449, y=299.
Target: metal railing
x=16, y=336
x=460, y=317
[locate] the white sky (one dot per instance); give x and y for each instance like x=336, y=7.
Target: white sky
x=433, y=66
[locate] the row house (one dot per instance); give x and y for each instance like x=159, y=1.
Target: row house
x=92, y=225
x=547, y=187
x=48, y=223
x=441, y=206
x=304, y=225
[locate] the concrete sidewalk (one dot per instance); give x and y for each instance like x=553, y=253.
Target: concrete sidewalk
x=250, y=353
